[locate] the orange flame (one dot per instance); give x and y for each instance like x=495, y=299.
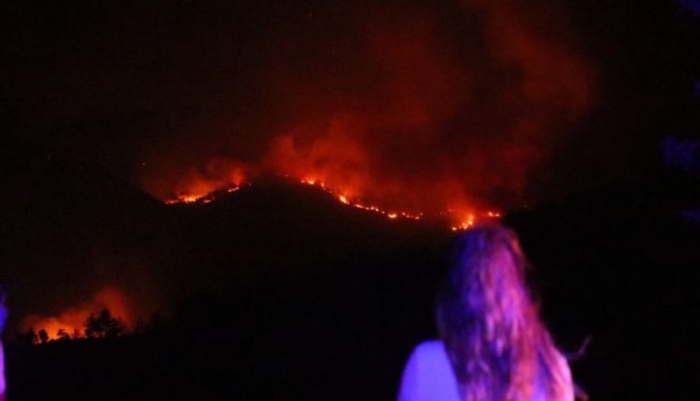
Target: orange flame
x=461, y=221
x=71, y=321
x=197, y=186
x=425, y=122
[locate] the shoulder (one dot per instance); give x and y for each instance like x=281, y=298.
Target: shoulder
x=430, y=348
x=428, y=374
x=431, y=356
x=566, y=382
x=562, y=377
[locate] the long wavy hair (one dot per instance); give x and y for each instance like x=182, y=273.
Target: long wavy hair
x=497, y=345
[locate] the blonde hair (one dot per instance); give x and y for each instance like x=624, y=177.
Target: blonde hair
x=497, y=345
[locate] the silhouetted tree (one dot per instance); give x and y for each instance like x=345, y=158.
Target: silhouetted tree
x=43, y=336
x=157, y=321
x=28, y=337
x=103, y=325
x=62, y=335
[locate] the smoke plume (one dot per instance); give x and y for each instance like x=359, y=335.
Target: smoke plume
x=421, y=107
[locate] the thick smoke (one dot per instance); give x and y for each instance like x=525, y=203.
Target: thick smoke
x=422, y=107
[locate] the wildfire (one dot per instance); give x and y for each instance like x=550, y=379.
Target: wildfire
x=185, y=198
x=70, y=322
x=463, y=222
x=423, y=114
x=460, y=220
x=345, y=199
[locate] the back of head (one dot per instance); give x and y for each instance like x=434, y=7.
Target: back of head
x=498, y=347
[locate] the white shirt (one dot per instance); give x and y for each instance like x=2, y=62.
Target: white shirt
x=428, y=376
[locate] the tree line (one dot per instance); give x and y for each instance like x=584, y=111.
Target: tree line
x=100, y=325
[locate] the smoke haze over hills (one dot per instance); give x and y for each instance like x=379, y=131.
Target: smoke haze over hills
x=468, y=101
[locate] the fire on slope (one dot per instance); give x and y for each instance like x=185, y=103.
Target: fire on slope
x=445, y=109
x=459, y=218
x=206, y=197
x=198, y=187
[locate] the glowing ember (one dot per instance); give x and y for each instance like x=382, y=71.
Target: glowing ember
x=186, y=198
x=461, y=220
x=345, y=200
x=199, y=198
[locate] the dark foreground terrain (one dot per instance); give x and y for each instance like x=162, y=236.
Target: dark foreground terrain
x=329, y=307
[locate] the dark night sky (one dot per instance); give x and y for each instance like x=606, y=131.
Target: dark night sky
x=154, y=91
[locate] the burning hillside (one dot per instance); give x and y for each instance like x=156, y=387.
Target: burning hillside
x=445, y=108
x=441, y=110
x=459, y=219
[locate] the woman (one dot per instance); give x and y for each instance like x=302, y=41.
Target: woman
x=492, y=344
